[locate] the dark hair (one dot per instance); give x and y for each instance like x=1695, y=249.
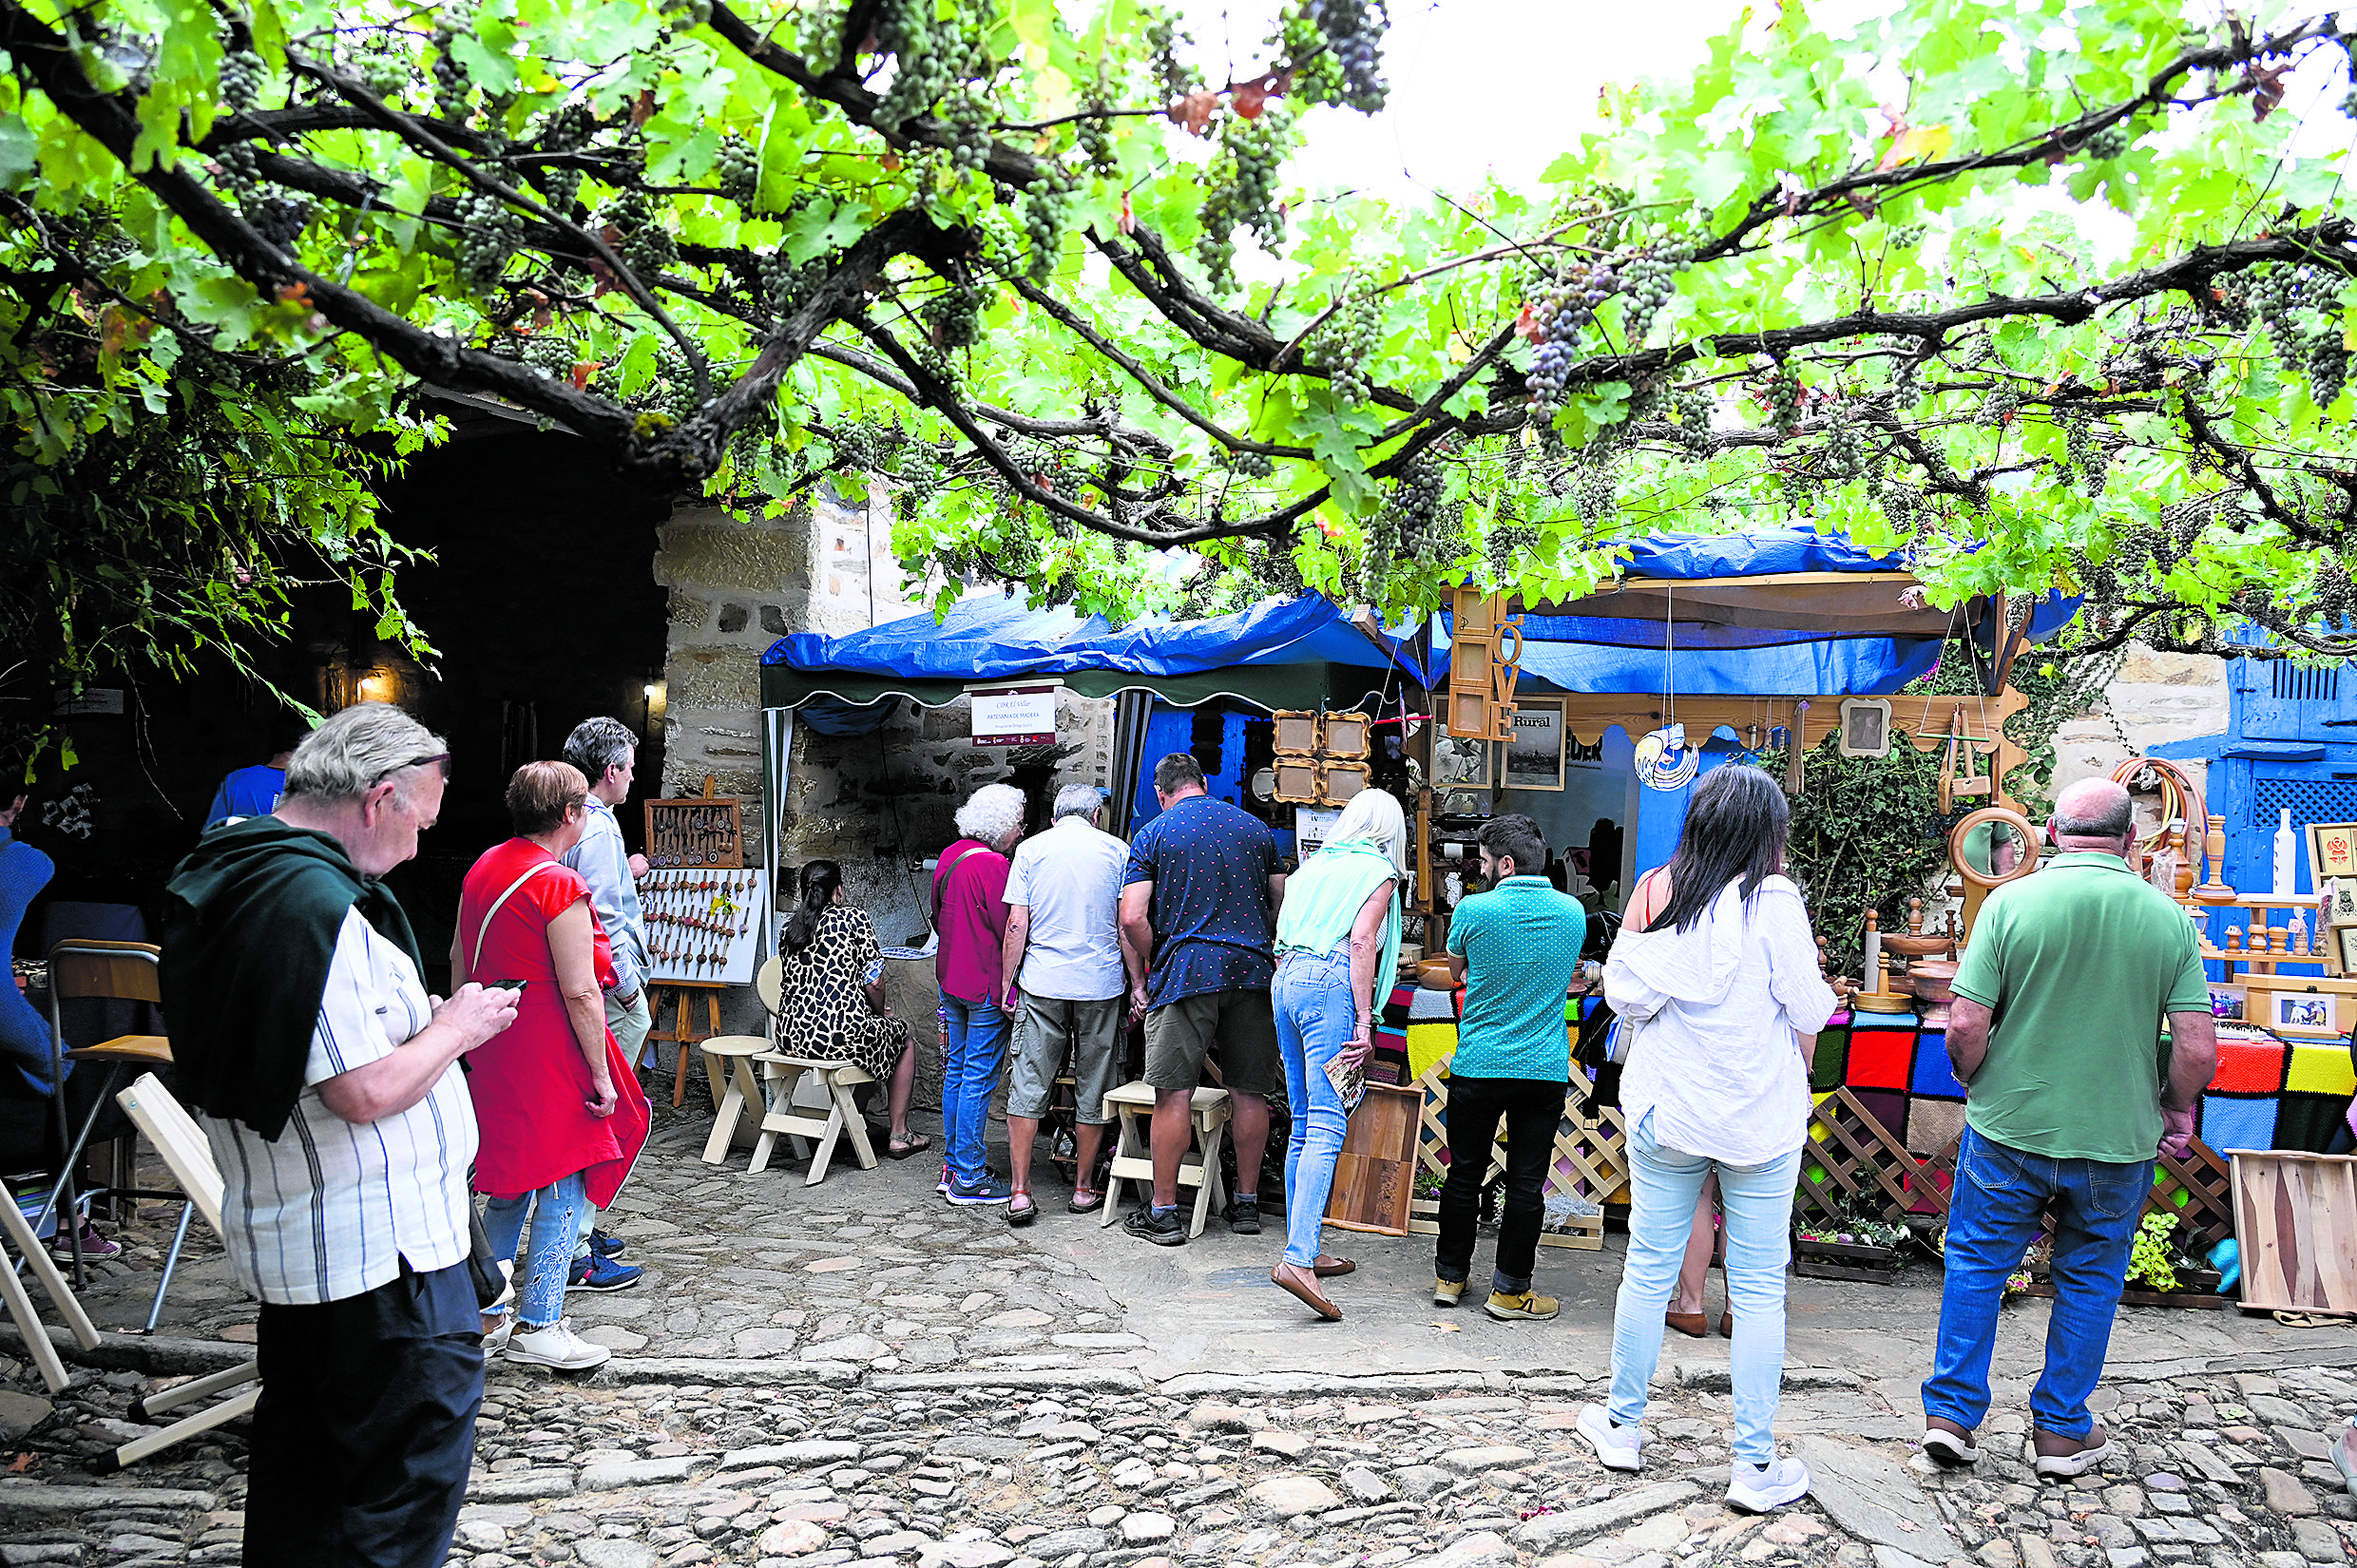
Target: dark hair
x=287, y=730
x=821, y=878
x=1175, y=771
x=541, y=793
x=597, y=744
x=1517, y=838
x=1736, y=820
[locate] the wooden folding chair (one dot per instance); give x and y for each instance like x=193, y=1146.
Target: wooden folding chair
x=27, y=1244
x=189, y=1156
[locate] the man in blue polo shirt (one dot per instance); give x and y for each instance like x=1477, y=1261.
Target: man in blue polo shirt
x=1515, y=950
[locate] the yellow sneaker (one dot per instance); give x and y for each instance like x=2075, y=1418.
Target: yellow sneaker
x=1507, y=1308
x=1446, y=1292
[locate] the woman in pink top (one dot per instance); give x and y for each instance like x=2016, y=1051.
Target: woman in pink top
x=969, y=912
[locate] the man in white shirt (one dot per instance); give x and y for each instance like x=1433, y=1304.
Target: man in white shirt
x=607, y=755
x=328, y=1083
x=1071, y=974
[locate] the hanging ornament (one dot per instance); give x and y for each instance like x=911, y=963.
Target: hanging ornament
x=1664, y=761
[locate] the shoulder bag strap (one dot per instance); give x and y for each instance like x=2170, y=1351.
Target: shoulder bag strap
x=476, y=962
x=941, y=883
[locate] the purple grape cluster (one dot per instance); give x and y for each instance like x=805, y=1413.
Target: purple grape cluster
x=1561, y=313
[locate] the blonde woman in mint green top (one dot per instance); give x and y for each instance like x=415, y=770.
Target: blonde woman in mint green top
x=1337, y=944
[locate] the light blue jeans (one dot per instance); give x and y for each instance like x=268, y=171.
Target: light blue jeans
x=970, y=1071
x=1315, y=1015
x=540, y=1278
x=1758, y=1201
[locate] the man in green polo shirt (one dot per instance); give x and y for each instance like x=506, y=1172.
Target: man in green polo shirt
x=1516, y=949
x=2070, y=1086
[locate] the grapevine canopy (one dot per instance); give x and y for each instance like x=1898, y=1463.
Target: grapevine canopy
x=988, y=249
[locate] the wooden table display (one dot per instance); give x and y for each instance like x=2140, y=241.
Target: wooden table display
x=2295, y=1225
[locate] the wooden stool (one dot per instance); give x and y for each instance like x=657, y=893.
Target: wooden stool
x=780, y=1076
x=1132, y=1107
x=729, y=1059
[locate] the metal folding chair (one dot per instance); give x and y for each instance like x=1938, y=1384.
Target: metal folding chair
x=189, y=1156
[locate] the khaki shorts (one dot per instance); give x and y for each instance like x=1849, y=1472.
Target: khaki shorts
x=1180, y=1034
x=1047, y=1027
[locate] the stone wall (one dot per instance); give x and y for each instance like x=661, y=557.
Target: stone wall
x=2154, y=697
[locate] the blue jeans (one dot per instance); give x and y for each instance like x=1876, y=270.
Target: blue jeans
x=556, y=1210
x=1316, y=1017
x=970, y=1071
x=1993, y=1217
x=1758, y=1201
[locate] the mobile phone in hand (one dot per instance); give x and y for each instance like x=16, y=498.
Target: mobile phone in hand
x=511, y=984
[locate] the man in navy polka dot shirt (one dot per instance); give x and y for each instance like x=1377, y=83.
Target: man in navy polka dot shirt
x=1198, y=909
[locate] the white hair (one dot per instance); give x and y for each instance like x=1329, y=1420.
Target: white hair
x=1374, y=818
x=1078, y=800
x=357, y=749
x=992, y=813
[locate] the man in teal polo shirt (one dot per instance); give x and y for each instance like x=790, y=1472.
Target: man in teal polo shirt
x=1516, y=948
x=2070, y=1086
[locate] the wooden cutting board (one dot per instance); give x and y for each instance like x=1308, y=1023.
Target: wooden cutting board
x=2296, y=1223
x=1377, y=1176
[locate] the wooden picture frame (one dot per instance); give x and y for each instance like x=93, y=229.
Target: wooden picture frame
x=2342, y=950
x=1534, y=758
x=2291, y=1011
x=2340, y=906
x=2332, y=852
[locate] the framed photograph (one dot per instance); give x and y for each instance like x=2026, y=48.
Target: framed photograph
x=1461, y=764
x=2226, y=1003
x=1865, y=726
x=2300, y=1014
x=1534, y=758
x=2340, y=906
x=2331, y=850
x=2344, y=949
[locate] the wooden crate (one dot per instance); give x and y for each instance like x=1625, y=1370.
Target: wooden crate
x=1375, y=1178
x=2295, y=1224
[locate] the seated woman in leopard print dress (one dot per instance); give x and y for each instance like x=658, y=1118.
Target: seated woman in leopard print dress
x=832, y=1007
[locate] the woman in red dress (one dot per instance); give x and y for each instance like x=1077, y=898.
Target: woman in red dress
x=561, y=1112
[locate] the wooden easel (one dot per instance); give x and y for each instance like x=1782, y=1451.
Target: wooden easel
x=681, y=994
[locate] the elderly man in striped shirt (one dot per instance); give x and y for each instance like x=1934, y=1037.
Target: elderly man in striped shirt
x=328, y=1083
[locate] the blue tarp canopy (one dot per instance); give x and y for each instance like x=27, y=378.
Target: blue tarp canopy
x=1768, y=612
x=1296, y=653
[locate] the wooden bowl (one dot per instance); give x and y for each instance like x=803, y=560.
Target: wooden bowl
x=1918, y=947
x=1433, y=975
x=1931, y=980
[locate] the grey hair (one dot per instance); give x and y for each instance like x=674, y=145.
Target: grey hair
x=1078, y=800
x=597, y=744
x=1374, y=816
x=992, y=813
x=357, y=749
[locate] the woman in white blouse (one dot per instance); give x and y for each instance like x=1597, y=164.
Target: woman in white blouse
x=1717, y=985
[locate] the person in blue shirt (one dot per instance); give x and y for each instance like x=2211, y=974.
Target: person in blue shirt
x=1515, y=950
x=24, y=1033
x=255, y=792
x=1198, y=914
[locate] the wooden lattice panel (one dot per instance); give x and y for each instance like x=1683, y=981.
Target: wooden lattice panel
x=1590, y=1161
x=2200, y=1189
x=1852, y=1166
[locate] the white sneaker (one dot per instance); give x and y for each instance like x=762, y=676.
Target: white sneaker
x=1756, y=1489
x=1619, y=1447
x=557, y=1346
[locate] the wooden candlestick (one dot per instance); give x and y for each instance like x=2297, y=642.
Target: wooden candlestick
x=2234, y=939
x=1881, y=1000
x=2213, y=850
x=1915, y=917
x=2184, y=888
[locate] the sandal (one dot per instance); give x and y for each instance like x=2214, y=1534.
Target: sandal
x=901, y=1148
x=1089, y=1204
x=1021, y=1210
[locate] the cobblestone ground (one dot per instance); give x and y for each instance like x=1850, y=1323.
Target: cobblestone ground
x=858, y=1373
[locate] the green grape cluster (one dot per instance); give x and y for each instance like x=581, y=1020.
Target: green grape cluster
x=954, y=316
x=2326, y=361
x=1595, y=486
x=1243, y=182
x=240, y=79
x=1047, y=203
x=738, y=170
x=1348, y=339
x=2083, y=453
x=1561, y=313
x=785, y=283
x=553, y=354
x=2110, y=142
x=240, y=166
x=453, y=90
x=1507, y=547
x=381, y=60
x=932, y=54
x=1163, y=41
x=1412, y=513
x=489, y=232
x=1648, y=278
x=2334, y=592
x=1999, y=408
x=568, y=131
x=646, y=246
x=281, y=218
x=1251, y=465
x=2275, y=293
x=1693, y=412
x=1845, y=450
x=1096, y=134
x=1301, y=43
x=1784, y=396
x=970, y=113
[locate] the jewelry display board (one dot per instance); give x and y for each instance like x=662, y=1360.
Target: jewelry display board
x=703, y=925
x=701, y=831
